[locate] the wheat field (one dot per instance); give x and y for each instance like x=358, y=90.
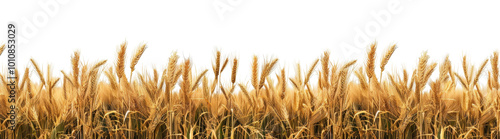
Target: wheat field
x=80, y=104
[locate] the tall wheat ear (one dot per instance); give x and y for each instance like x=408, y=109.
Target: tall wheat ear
x=234, y=70
x=325, y=61
x=370, y=62
x=120, y=61
x=494, y=70
x=421, y=69
x=135, y=59
x=385, y=58
x=255, y=72
x=38, y=71
x=75, y=59
x=266, y=70
x=309, y=72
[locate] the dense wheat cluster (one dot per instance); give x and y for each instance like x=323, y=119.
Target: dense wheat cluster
x=179, y=102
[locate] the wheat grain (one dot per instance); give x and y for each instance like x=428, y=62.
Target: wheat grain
x=216, y=67
x=428, y=73
x=38, y=70
x=245, y=92
x=266, y=70
x=283, y=83
x=385, y=59
x=325, y=61
x=398, y=106
x=464, y=66
x=494, y=69
x=362, y=80
x=120, y=61
x=224, y=65
x=309, y=72
x=387, y=56
x=137, y=55
x=234, y=69
x=98, y=64
x=348, y=64
x=135, y=59
x=420, y=76
x=112, y=79
x=66, y=77
x=479, y=71
x=198, y=79
x=186, y=81
x=75, y=59
x=255, y=72
x=25, y=77
x=171, y=72
x=370, y=62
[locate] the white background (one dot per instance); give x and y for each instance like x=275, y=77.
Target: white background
x=293, y=31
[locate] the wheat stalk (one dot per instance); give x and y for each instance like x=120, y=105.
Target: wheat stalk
x=25, y=78
x=428, y=73
x=309, y=72
x=465, y=69
x=283, y=84
x=385, y=59
x=494, y=69
x=224, y=65
x=234, y=69
x=349, y=64
x=171, y=73
x=186, y=80
x=217, y=65
x=362, y=79
x=198, y=79
x=66, y=77
x=245, y=92
x=266, y=70
x=112, y=79
x=370, y=62
x=120, y=61
x=398, y=106
x=325, y=61
x=38, y=70
x=75, y=59
x=255, y=72
x=135, y=59
x=479, y=71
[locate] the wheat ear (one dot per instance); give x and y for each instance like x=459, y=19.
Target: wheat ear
x=309, y=72
x=120, y=61
x=370, y=62
x=386, y=58
x=266, y=70
x=38, y=70
x=283, y=84
x=198, y=79
x=234, y=70
x=255, y=72
x=135, y=59
x=494, y=68
x=325, y=61
x=216, y=67
x=75, y=59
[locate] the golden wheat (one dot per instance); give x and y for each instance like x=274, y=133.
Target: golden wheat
x=171, y=103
